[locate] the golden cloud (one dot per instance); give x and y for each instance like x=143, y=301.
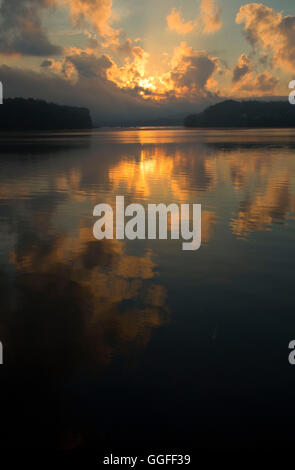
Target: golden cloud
x=189, y=75
x=208, y=21
x=247, y=82
x=261, y=84
x=210, y=16
x=176, y=23
x=265, y=28
x=98, y=13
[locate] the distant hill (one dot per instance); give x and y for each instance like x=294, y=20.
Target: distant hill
x=245, y=114
x=30, y=114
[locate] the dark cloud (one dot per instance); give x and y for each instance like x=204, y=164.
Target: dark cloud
x=265, y=82
x=21, y=30
x=200, y=68
x=125, y=48
x=88, y=65
x=261, y=84
x=46, y=63
x=242, y=68
x=92, y=43
x=193, y=69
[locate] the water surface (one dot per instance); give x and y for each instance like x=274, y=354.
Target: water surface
x=138, y=343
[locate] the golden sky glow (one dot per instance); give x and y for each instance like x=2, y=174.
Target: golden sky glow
x=139, y=54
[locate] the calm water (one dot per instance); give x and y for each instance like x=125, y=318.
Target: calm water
x=139, y=344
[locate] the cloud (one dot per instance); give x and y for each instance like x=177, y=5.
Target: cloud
x=270, y=31
x=131, y=75
x=188, y=76
x=208, y=21
x=248, y=82
x=21, y=30
x=90, y=65
x=124, y=48
x=261, y=84
x=242, y=68
x=113, y=93
x=191, y=71
x=176, y=23
x=53, y=66
x=62, y=68
x=211, y=16
x=265, y=82
x=47, y=63
x=98, y=13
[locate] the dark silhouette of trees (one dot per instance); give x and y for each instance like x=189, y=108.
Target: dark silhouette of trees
x=31, y=114
x=232, y=113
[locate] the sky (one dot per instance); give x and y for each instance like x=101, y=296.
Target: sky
x=139, y=59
